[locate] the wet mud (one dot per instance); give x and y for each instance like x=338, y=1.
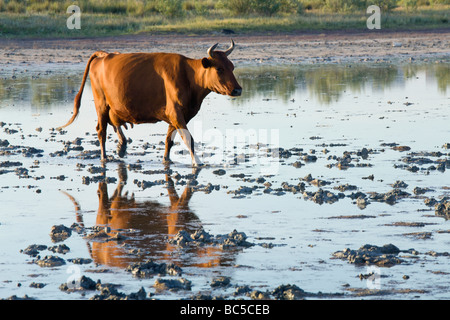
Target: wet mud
x=270, y=219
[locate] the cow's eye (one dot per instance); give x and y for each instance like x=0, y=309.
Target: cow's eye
x=219, y=70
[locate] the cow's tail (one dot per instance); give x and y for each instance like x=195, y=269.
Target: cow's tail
x=77, y=100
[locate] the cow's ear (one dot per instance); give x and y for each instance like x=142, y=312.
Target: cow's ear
x=206, y=63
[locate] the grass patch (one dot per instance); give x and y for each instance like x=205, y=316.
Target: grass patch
x=207, y=18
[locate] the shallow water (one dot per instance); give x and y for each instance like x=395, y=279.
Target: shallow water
x=316, y=110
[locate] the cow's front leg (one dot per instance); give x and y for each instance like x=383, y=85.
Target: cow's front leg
x=178, y=122
x=189, y=142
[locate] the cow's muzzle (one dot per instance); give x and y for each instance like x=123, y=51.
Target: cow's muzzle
x=236, y=92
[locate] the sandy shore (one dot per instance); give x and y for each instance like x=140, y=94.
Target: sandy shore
x=286, y=48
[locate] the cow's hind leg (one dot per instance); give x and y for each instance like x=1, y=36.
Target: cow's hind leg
x=171, y=132
x=101, y=133
x=117, y=124
x=122, y=145
x=102, y=109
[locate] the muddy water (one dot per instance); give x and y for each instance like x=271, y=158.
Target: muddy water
x=275, y=159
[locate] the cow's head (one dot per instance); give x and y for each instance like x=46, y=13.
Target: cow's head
x=219, y=75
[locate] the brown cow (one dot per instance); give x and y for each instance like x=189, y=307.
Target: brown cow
x=151, y=87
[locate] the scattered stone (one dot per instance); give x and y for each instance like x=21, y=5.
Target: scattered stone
x=385, y=256
x=172, y=284
x=300, y=187
x=408, y=224
x=417, y=160
x=437, y=254
x=288, y=292
x=430, y=202
x=150, y=268
x=60, y=233
x=297, y=164
x=7, y=164
x=319, y=182
x=14, y=297
x=77, y=228
x=37, y=285
x=357, y=216
x=259, y=295
x=240, y=290
x=220, y=282
x=237, y=175
x=95, y=170
x=139, y=295
x=399, y=184
x=182, y=238
x=321, y=196
x=401, y=148
x=362, y=202
x=356, y=195
x=309, y=158
x=201, y=296
x=205, y=188
x=443, y=209
x=62, y=248
x=83, y=283
x=200, y=238
x=419, y=235
x=80, y=261
x=390, y=197
x=219, y=172
x=243, y=190
x=364, y=153
x=419, y=190
x=49, y=261
x=34, y=249
x=101, y=234
x=148, y=184
x=345, y=187
x=108, y=291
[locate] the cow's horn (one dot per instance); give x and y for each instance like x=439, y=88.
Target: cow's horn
x=211, y=50
x=230, y=49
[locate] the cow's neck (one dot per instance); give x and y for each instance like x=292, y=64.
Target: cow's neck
x=199, y=79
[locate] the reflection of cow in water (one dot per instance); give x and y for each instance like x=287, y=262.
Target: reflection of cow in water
x=146, y=226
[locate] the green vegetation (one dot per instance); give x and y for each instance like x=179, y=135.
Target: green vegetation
x=46, y=18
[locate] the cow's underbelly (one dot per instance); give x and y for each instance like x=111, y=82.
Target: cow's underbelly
x=120, y=116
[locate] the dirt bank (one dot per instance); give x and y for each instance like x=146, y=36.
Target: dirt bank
x=311, y=47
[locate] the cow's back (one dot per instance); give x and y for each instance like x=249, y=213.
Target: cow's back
x=134, y=84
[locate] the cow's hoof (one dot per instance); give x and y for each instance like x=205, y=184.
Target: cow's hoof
x=122, y=150
x=198, y=165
